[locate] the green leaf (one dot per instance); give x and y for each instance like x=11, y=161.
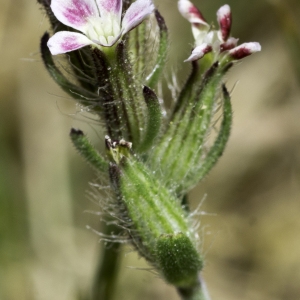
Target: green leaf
x=219, y=145
x=87, y=151
x=154, y=117
x=181, y=147
x=162, y=52
x=71, y=89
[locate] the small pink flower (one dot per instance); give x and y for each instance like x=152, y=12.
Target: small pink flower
x=217, y=41
x=98, y=20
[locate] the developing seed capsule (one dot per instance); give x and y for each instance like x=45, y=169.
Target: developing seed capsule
x=160, y=227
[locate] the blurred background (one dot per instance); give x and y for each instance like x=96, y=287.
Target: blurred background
x=251, y=228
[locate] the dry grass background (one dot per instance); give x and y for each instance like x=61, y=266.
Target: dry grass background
x=252, y=243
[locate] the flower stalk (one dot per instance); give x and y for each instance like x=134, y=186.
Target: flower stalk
x=152, y=160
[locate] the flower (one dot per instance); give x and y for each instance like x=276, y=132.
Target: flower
x=98, y=20
x=217, y=41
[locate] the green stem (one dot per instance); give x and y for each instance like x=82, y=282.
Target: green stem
x=198, y=292
x=107, y=271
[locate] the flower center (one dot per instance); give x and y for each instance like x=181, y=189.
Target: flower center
x=103, y=29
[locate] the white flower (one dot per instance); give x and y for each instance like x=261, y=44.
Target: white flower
x=98, y=20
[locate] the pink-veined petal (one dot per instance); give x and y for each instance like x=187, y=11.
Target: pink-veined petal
x=244, y=50
x=110, y=7
x=136, y=13
x=74, y=13
x=199, y=52
x=66, y=41
x=189, y=11
x=229, y=44
x=224, y=20
x=192, y=13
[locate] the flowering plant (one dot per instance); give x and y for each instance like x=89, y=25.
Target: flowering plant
x=153, y=158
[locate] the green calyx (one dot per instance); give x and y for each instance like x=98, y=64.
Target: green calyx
x=160, y=227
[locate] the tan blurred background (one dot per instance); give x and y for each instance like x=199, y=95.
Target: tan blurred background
x=251, y=231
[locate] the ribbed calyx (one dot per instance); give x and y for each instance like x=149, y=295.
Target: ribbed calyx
x=160, y=226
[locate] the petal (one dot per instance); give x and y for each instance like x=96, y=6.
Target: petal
x=244, y=50
x=191, y=13
x=199, y=30
x=201, y=37
x=110, y=7
x=199, y=52
x=224, y=20
x=74, y=13
x=136, y=13
x=229, y=44
x=194, y=16
x=66, y=41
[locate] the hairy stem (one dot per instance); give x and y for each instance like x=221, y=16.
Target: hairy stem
x=199, y=292
x=106, y=274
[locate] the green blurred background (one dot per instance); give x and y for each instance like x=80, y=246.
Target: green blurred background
x=251, y=231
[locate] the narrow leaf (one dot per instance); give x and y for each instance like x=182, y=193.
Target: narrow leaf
x=162, y=52
x=74, y=91
x=154, y=120
x=87, y=151
x=219, y=145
